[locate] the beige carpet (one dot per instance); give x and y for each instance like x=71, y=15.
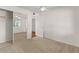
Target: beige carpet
x=22, y=45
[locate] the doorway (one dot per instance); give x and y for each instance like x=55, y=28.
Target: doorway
x=33, y=26
x=20, y=26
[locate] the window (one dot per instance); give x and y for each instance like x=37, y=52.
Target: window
x=17, y=23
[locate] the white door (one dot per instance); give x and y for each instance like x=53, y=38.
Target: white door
x=2, y=30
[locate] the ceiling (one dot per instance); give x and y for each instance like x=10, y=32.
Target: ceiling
x=36, y=8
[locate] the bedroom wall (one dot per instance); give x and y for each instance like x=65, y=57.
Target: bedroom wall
x=33, y=24
x=39, y=25
x=61, y=24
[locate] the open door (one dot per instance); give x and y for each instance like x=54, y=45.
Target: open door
x=33, y=28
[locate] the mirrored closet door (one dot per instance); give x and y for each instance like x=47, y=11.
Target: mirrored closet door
x=6, y=27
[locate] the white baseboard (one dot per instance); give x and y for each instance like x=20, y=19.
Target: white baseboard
x=64, y=41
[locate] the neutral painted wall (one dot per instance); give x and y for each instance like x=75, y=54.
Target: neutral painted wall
x=60, y=24
x=33, y=24
x=39, y=25
x=6, y=32
x=76, y=19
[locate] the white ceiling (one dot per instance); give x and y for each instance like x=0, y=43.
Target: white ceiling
x=36, y=8
x=32, y=8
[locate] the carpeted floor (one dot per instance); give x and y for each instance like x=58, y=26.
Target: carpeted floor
x=37, y=45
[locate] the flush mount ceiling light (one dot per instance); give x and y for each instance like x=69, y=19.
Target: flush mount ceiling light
x=43, y=8
x=18, y=17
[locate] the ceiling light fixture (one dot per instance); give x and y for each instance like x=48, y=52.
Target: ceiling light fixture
x=43, y=8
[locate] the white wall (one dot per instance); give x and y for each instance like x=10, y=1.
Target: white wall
x=60, y=24
x=29, y=26
x=5, y=34
x=33, y=24
x=39, y=25
x=76, y=19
